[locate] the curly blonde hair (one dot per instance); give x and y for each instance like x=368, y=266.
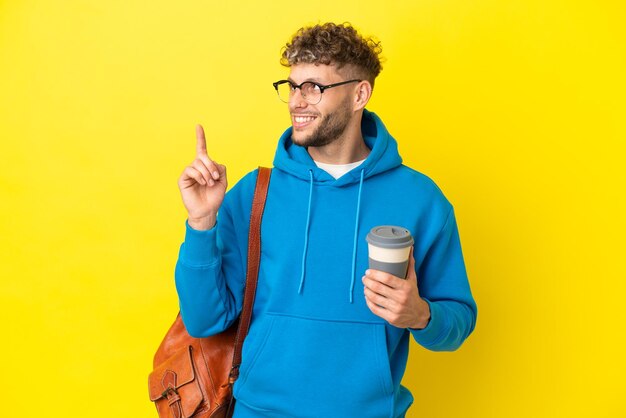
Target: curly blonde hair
x=329, y=44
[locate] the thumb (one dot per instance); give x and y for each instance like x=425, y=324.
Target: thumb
x=411, y=275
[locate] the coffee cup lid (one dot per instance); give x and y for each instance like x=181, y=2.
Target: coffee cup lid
x=390, y=236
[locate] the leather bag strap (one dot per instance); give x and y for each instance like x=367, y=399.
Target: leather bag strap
x=254, y=258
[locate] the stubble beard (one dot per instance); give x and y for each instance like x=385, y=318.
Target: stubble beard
x=330, y=128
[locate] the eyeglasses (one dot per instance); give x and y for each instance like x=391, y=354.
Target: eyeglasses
x=311, y=91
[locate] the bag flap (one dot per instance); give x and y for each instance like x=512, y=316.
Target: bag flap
x=174, y=373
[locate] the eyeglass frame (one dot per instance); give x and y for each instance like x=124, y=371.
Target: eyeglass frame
x=320, y=86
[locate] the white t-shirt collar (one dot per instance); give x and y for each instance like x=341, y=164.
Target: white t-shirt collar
x=337, y=170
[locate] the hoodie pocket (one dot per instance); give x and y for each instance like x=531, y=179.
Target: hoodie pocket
x=316, y=368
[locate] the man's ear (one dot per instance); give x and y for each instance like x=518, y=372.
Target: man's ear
x=362, y=95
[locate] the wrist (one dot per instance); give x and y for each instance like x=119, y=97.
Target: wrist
x=203, y=223
x=423, y=316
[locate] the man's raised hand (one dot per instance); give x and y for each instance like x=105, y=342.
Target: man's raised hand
x=202, y=186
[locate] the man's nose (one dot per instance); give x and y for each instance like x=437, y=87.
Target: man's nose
x=297, y=100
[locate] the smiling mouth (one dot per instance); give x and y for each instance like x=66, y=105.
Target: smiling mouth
x=302, y=121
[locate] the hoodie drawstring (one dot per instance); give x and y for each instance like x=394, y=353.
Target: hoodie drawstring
x=306, y=232
x=356, y=233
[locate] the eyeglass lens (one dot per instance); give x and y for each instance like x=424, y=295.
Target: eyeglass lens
x=309, y=91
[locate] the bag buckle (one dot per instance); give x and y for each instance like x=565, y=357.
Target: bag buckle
x=169, y=391
x=233, y=375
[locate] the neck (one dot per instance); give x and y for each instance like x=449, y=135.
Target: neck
x=348, y=148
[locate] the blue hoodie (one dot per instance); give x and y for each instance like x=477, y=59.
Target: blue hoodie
x=314, y=348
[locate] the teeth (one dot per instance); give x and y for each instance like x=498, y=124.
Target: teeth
x=303, y=119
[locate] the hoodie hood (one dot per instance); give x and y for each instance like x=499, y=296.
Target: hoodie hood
x=295, y=159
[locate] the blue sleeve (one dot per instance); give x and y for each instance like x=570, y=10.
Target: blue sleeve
x=210, y=274
x=443, y=284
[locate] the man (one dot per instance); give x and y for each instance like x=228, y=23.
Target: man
x=329, y=338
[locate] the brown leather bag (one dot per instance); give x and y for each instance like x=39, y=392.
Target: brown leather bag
x=194, y=377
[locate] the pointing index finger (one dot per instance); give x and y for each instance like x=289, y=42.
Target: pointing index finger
x=201, y=142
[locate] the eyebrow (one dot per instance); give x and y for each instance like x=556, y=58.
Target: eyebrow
x=317, y=80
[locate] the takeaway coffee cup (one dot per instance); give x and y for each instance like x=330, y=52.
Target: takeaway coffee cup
x=389, y=248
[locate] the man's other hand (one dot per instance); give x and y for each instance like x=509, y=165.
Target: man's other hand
x=202, y=186
x=396, y=300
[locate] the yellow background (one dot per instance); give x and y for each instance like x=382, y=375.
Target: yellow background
x=515, y=108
